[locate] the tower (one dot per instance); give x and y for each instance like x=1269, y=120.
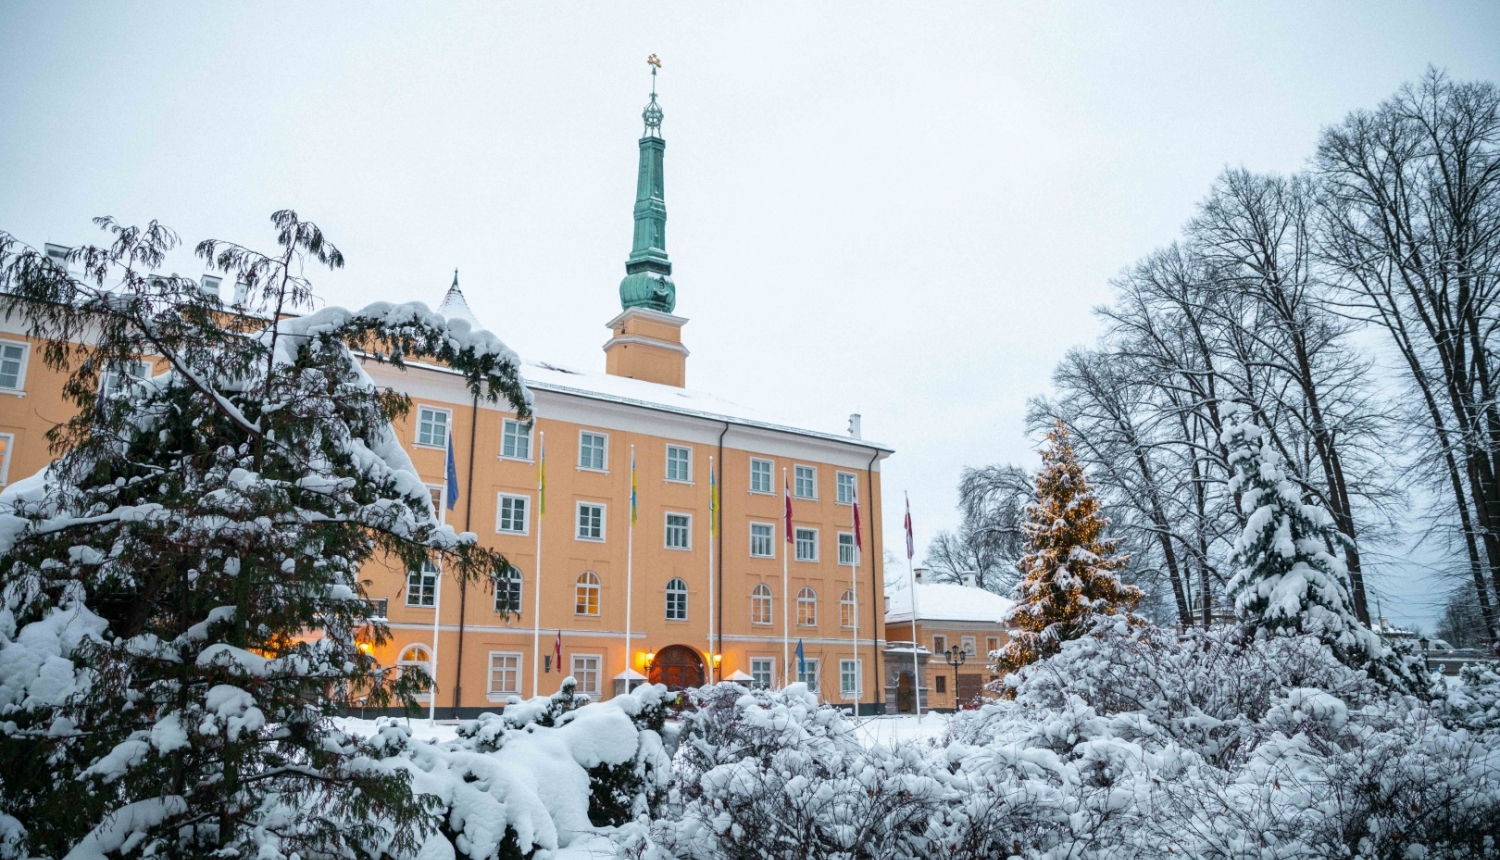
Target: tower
x=646, y=340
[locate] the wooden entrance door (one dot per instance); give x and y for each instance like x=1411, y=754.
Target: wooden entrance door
x=679, y=667
x=969, y=689
x=905, y=694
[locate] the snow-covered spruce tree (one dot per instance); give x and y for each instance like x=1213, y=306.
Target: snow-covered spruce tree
x=182, y=606
x=1067, y=574
x=1286, y=579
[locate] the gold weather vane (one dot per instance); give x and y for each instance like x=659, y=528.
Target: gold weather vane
x=653, y=61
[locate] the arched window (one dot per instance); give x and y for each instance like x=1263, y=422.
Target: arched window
x=508, y=592
x=677, y=600
x=414, y=657
x=807, y=607
x=847, y=609
x=760, y=605
x=586, y=595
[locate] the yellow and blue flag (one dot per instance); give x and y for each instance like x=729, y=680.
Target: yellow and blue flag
x=713, y=502
x=541, y=478
x=632, y=485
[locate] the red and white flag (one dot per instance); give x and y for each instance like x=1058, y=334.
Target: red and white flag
x=911, y=549
x=557, y=649
x=787, y=491
x=858, y=544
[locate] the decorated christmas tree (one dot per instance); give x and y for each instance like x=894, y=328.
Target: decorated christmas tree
x=1067, y=573
x=1286, y=579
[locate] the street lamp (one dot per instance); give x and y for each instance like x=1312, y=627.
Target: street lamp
x=1426, y=666
x=955, y=656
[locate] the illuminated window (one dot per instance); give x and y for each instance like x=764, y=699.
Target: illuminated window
x=760, y=605
x=807, y=607
x=586, y=594
x=847, y=609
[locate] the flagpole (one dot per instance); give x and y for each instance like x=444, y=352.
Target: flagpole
x=859, y=678
x=629, y=566
x=541, y=508
x=437, y=596
x=911, y=573
x=712, y=513
x=786, y=617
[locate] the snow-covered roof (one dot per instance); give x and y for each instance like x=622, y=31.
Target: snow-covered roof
x=948, y=602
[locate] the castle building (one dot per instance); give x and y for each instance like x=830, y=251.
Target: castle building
x=945, y=616
x=673, y=597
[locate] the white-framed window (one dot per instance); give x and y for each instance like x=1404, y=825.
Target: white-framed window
x=677, y=594
x=807, y=673
x=807, y=544
x=807, y=607
x=762, y=672
x=680, y=463
x=432, y=426
x=505, y=673
x=7, y=444
x=762, y=540
x=760, y=604
x=515, y=439
x=679, y=531
x=940, y=644
x=421, y=585
x=760, y=476
x=969, y=646
x=439, y=501
x=848, y=609
x=586, y=673
x=510, y=514
x=115, y=378
x=848, y=552
x=849, y=679
x=586, y=594
x=846, y=485
x=805, y=482
x=415, y=657
x=593, y=451
x=13, y=356
x=590, y=521
x=508, y=592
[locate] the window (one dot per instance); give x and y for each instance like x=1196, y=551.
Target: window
x=807, y=673
x=970, y=649
x=7, y=442
x=505, y=674
x=849, y=677
x=508, y=592
x=846, y=488
x=807, y=607
x=432, y=427
x=591, y=453
x=679, y=463
x=679, y=531
x=586, y=673
x=940, y=644
x=590, y=521
x=807, y=544
x=414, y=657
x=586, y=594
x=942, y=683
x=515, y=439
x=760, y=605
x=511, y=515
x=762, y=672
x=847, y=609
x=848, y=552
x=762, y=540
x=12, y=365
x=421, y=585
x=992, y=644
x=677, y=600
x=438, y=498
x=760, y=476
x=805, y=482
x=115, y=378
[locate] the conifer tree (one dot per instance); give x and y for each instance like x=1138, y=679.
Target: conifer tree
x=1067, y=574
x=182, y=608
x=1286, y=579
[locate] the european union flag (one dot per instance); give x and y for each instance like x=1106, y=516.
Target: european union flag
x=801, y=661
x=452, y=476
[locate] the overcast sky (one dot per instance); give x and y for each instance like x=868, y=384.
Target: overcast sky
x=906, y=211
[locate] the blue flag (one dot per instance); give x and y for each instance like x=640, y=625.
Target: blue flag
x=452, y=476
x=801, y=661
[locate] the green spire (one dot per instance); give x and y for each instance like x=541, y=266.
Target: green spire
x=648, y=281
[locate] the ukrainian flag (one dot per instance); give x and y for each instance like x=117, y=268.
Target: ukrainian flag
x=632, y=485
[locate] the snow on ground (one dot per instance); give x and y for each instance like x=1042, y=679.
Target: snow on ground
x=904, y=728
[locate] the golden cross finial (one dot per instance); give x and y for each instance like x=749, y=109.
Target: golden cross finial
x=653, y=61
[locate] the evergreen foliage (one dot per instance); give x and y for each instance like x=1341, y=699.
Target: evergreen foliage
x=182, y=610
x=1068, y=575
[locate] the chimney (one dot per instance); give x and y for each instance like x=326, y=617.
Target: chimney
x=241, y=292
x=920, y=575
x=210, y=285
x=970, y=578
x=854, y=426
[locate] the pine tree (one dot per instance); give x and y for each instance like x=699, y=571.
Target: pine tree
x=1068, y=577
x=1286, y=578
x=182, y=610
